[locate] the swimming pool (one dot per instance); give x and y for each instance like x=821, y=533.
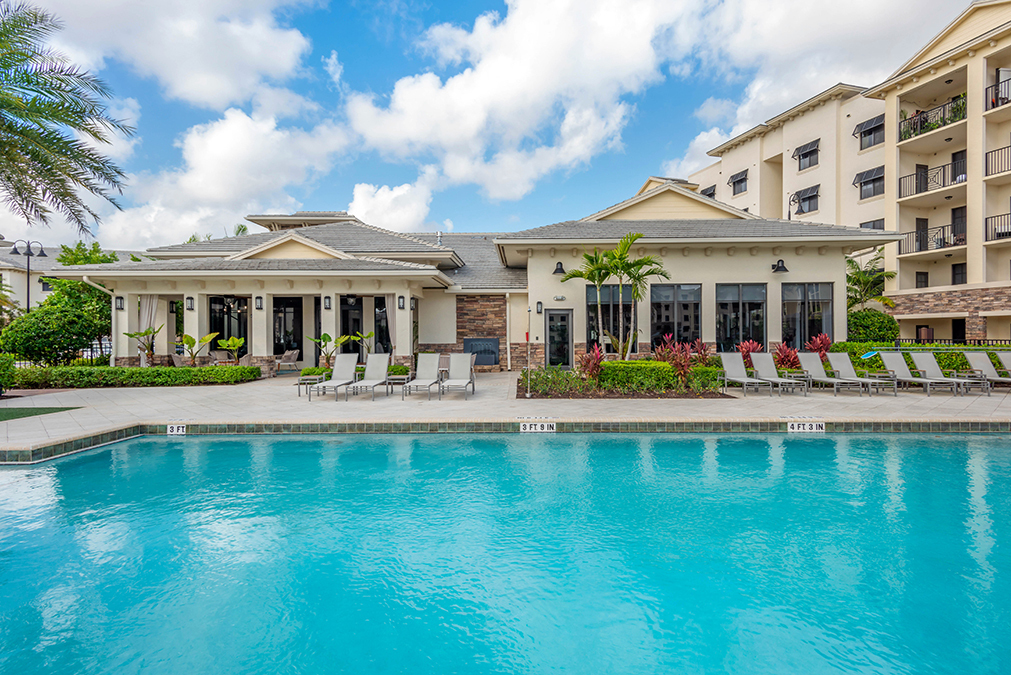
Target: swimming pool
x=511, y=554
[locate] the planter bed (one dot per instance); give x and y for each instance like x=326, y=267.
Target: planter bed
x=521, y=392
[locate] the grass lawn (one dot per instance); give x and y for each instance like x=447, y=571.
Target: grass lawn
x=15, y=413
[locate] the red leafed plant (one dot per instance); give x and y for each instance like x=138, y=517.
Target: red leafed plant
x=589, y=363
x=663, y=351
x=786, y=356
x=677, y=354
x=746, y=348
x=819, y=343
x=700, y=351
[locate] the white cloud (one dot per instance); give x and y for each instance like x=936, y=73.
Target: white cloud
x=121, y=148
x=334, y=68
x=402, y=208
x=695, y=156
x=448, y=224
x=715, y=110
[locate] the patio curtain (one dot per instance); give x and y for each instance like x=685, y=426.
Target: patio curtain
x=148, y=311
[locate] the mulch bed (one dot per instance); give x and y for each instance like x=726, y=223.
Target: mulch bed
x=521, y=392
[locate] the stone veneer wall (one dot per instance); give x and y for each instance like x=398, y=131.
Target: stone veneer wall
x=972, y=301
x=478, y=316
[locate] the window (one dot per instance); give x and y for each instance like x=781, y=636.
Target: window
x=46, y=286
x=958, y=275
x=871, y=132
x=383, y=344
x=922, y=279
x=878, y=224
x=870, y=182
x=807, y=311
x=709, y=192
x=675, y=310
x=609, y=307
x=807, y=199
x=229, y=318
x=739, y=182
x=807, y=155
x=287, y=325
x=740, y=314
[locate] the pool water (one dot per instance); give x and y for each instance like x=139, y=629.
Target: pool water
x=511, y=554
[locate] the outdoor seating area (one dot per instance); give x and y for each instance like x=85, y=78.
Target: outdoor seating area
x=446, y=372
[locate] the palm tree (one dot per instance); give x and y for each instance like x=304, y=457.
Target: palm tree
x=594, y=271
x=51, y=118
x=867, y=283
x=639, y=273
x=634, y=271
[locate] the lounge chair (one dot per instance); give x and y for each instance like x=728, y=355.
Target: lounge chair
x=926, y=362
x=289, y=358
x=342, y=375
x=897, y=369
x=377, y=368
x=981, y=366
x=1005, y=359
x=426, y=377
x=246, y=360
x=219, y=356
x=814, y=369
x=843, y=368
x=177, y=361
x=734, y=371
x=765, y=369
x=461, y=375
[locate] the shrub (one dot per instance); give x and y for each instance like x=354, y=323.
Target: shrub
x=6, y=372
x=555, y=382
x=703, y=379
x=315, y=370
x=819, y=343
x=947, y=357
x=677, y=354
x=637, y=376
x=589, y=363
x=100, y=360
x=785, y=357
x=746, y=347
x=870, y=325
x=50, y=335
x=700, y=352
x=73, y=377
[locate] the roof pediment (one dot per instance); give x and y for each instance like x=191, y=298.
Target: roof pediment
x=977, y=19
x=291, y=246
x=670, y=200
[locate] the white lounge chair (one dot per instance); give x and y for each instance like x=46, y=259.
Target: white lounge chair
x=461, y=375
x=765, y=369
x=981, y=366
x=289, y=358
x=734, y=371
x=377, y=373
x=342, y=375
x=926, y=363
x=426, y=377
x=843, y=368
x=814, y=369
x=897, y=369
x=1005, y=359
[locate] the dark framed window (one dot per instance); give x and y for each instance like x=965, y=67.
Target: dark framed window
x=871, y=132
x=807, y=155
x=922, y=279
x=807, y=311
x=287, y=315
x=807, y=199
x=709, y=192
x=383, y=344
x=610, y=305
x=675, y=310
x=46, y=286
x=739, y=182
x=229, y=317
x=872, y=188
x=878, y=224
x=958, y=274
x=740, y=314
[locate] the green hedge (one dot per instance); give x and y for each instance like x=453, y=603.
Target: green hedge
x=633, y=376
x=703, y=378
x=870, y=325
x=7, y=371
x=394, y=369
x=948, y=356
x=74, y=377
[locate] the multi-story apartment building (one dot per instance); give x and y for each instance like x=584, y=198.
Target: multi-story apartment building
x=821, y=161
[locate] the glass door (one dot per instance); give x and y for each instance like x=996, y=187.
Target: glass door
x=351, y=323
x=559, y=332
x=287, y=325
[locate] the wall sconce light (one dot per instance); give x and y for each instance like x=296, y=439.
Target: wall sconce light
x=120, y=302
x=558, y=268
x=327, y=302
x=400, y=302
x=779, y=266
x=414, y=304
x=172, y=306
x=352, y=299
x=189, y=304
x=540, y=305
x=258, y=302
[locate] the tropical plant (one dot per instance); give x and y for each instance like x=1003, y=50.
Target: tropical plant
x=820, y=343
x=196, y=238
x=9, y=308
x=786, y=357
x=589, y=363
x=700, y=351
x=194, y=346
x=870, y=325
x=634, y=272
x=594, y=271
x=746, y=347
x=240, y=229
x=53, y=335
x=77, y=296
x=145, y=340
x=866, y=283
x=52, y=116
x=232, y=345
x=365, y=339
x=328, y=346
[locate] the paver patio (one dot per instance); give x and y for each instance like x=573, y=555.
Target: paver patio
x=275, y=401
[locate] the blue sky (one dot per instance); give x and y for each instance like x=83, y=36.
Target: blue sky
x=486, y=115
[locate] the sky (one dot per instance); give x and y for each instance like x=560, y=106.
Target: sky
x=474, y=116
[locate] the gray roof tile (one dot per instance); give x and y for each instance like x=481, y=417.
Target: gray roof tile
x=482, y=267
x=257, y=264
x=719, y=228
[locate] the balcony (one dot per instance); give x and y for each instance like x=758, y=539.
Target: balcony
x=998, y=95
x=933, y=239
x=935, y=118
x=937, y=178
x=998, y=228
x=998, y=161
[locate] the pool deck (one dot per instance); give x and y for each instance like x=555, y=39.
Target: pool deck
x=274, y=402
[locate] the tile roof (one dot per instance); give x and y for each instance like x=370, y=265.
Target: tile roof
x=256, y=264
x=482, y=267
x=20, y=262
x=725, y=228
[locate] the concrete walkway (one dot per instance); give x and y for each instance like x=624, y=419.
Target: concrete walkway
x=275, y=401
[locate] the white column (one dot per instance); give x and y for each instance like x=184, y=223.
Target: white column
x=115, y=328
x=773, y=313
x=167, y=321
x=708, y=314
x=260, y=331
x=131, y=324
x=401, y=328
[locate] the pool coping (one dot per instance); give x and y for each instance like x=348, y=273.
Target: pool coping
x=42, y=452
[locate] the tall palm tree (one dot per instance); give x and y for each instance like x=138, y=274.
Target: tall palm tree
x=633, y=271
x=639, y=272
x=594, y=271
x=51, y=119
x=866, y=283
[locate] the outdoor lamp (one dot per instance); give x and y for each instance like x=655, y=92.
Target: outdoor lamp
x=540, y=305
x=400, y=302
x=258, y=302
x=172, y=306
x=779, y=266
x=327, y=302
x=558, y=268
x=120, y=303
x=189, y=303
x=414, y=304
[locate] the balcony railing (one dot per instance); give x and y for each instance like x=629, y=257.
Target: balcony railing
x=998, y=227
x=935, y=118
x=933, y=238
x=998, y=94
x=932, y=179
x=999, y=160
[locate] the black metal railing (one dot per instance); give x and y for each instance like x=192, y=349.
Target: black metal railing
x=971, y=342
x=998, y=227
x=933, y=238
x=998, y=94
x=932, y=179
x=999, y=160
x=935, y=118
